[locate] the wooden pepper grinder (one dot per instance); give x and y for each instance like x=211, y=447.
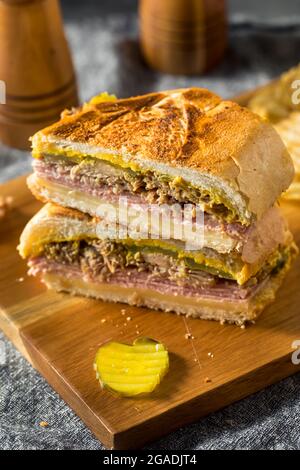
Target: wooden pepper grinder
x=183, y=36
x=36, y=68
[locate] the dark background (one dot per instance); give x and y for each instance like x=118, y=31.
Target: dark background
x=267, y=11
x=264, y=41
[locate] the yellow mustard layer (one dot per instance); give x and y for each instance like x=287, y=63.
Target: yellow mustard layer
x=51, y=148
x=237, y=271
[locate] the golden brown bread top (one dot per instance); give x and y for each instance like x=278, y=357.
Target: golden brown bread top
x=188, y=130
x=190, y=127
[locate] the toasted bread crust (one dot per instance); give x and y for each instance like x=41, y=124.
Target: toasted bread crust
x=190, y=131
x=168, y=120
x=185, y=127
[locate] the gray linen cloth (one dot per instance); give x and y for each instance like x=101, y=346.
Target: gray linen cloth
x=106, y=57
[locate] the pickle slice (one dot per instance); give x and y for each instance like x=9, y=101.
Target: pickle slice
x=131, y=370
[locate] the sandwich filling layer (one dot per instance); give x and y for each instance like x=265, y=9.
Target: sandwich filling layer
x=97, y=177
x=231, y=247
x=132, y=266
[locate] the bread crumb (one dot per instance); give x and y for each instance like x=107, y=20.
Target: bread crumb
x=103, y=320
x=207, y=380
x=137, y=332
x=21, y=279
x=44, y=424
x=210, y=354
x=243, y=327
x=134, y=299
x=123, y=311
x=5, y=204
x=189, y=336
x=128, y=318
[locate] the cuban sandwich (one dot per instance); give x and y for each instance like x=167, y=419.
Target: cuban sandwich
x=182, y=148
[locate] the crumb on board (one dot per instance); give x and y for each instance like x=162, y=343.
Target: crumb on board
x=128, y=318
x=5, y=204
x=207, y=380
x=44, y=424
x=243, y=327
x=103, y=320
x=210, y=354
x=123, y=311
x=20, y=279
x=189, y=336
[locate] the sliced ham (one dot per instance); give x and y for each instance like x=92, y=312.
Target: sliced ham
x=97, y=187
x=132, y=278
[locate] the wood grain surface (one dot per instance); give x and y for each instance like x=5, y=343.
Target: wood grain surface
x=60, y=334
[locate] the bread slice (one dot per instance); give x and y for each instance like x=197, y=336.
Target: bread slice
x=206, y=309
x=191, y=136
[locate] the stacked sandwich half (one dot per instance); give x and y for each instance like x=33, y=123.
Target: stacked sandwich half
x=184, y=150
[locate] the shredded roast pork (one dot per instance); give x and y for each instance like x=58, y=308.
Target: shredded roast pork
x=110, y=262
x=110, y=187
x=134, y=278
x=154, y=189
x=255, y=242
x=103, y=258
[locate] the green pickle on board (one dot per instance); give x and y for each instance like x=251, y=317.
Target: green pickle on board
x=131, y=370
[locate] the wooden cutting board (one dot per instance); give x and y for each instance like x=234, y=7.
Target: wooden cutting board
x=60, y=334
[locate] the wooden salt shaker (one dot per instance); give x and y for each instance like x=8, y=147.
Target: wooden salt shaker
x=36, y=67
x=183, y=36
